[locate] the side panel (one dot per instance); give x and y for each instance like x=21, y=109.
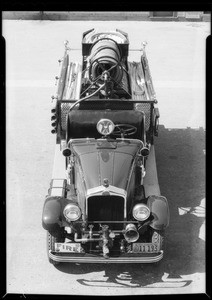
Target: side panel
x=160, y=210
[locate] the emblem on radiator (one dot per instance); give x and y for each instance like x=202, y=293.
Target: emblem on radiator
x=105, y=126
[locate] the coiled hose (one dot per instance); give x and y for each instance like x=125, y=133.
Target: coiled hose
x=105, y=55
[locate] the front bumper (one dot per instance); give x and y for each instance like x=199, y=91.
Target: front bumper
x=86, y=258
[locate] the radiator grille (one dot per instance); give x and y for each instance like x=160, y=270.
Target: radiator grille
x=106, y=208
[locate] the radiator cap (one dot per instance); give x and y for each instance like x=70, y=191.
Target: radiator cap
x=106, y=182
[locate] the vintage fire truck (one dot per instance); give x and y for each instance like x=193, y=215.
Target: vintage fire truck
x=104, y=203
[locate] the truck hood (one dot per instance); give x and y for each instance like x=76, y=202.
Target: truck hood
x=104, y=160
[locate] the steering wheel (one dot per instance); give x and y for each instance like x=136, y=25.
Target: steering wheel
x=124, y=129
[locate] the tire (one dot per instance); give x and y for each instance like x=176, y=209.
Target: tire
x=51, y=240
x=161, y=238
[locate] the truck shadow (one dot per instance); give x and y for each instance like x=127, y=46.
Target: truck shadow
x=181, y=172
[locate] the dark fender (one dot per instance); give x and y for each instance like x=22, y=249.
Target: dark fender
x=52, y=213
x=159, y=208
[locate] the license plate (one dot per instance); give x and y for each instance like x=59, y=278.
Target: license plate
x=145, y=248
x=68, y=247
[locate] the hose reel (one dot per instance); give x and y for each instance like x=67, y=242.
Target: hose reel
x=105, y=56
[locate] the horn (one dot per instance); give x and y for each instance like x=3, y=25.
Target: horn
x=131, y=234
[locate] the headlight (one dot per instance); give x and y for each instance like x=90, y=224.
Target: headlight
x=72, y=212
x=141, y=212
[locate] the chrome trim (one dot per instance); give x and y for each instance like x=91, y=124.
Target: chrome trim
x=113, y=190
x=94, y=259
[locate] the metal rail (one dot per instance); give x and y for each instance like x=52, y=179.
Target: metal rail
x=98, y=259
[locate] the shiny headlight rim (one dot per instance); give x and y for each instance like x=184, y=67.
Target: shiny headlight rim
x=74, y=208
x=138, y=207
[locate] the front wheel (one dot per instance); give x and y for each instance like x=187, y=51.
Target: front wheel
x=51, y=240
x=161, y=236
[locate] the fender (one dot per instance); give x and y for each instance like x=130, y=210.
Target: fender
x=159, y=208
x=51, y=217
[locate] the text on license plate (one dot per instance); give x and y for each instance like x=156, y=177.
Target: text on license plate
x=68, y=247
x=145, y=248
